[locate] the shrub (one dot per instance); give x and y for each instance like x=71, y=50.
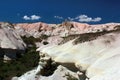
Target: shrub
x=21, y=65
x=70, y=77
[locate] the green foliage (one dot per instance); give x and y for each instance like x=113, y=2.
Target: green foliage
x=70, y=77
x=31, y=40
x=43, y=36
x=21, y=65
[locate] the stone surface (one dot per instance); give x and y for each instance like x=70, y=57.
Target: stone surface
x=98, y=57
x=93, y=49
x=56, y=32
x=10, y=41
x=30, y=75
x=34, y=26
x=61, y=73
x=33, y=29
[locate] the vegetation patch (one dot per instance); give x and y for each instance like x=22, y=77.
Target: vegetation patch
x=22, y=64
x=70, y=77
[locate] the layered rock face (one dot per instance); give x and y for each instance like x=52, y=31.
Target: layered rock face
x=95, y=53
x=33, y=29
x=10, y=42
x=92, y=49
x=64, y=29
x=56, y=32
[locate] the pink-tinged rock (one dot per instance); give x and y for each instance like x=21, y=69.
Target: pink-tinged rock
x=80, y=26
x=62, y=30
x=55, y=39
x=107, y=26
x=70, y=28
x=34, y=26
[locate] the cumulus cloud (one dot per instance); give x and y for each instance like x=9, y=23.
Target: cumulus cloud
x=85, y=18
x=58, y=17
x=32, y=17
x=26, y=17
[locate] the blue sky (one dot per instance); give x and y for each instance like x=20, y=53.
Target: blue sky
x=56, y=11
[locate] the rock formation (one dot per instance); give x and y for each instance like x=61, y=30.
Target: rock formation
x=10, y=42
x=94, y=53
x=77, y=48
x=33, y=29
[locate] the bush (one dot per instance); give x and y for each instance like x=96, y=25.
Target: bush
x=43, y=36
x=70, y=77
x=21, y=65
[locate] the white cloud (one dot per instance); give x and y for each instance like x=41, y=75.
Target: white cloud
x=58, y=17
x=97, y=19
x=85, y=18
x=32, y=17
x=35, y=17
x=26, y=17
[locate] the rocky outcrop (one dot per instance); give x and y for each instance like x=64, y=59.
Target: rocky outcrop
x=34, y=26
x=96, y=57
x=61, y=30
x=10, y=42
x=65, y=26
x=90, y=49
x=58, y=32
x=33, y=29
x=49, y=70
x=61, y=73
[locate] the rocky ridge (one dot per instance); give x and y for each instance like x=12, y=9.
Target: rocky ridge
x=73, y=51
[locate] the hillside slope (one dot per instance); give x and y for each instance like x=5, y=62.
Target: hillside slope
x=87, y=50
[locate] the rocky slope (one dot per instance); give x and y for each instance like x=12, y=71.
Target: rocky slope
x=99, y=58
x=95, y=53
x=74, y=51
x=55, y=33
x=10, y=42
